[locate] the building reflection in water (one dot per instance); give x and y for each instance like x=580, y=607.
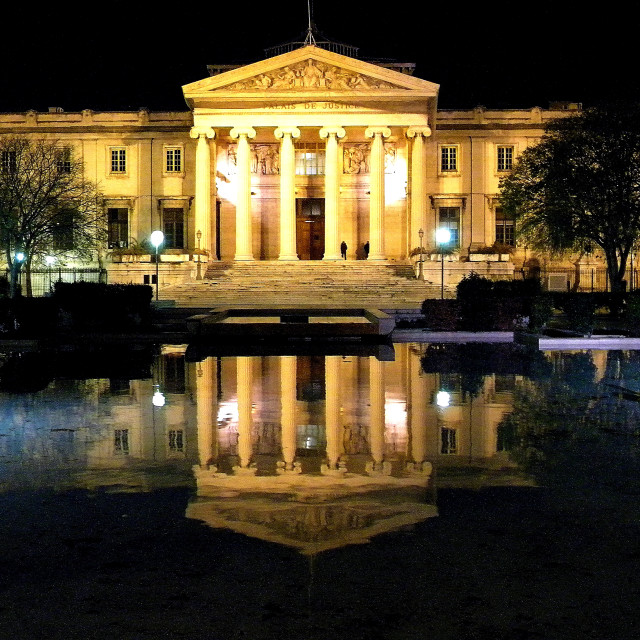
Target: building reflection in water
x=310, y=451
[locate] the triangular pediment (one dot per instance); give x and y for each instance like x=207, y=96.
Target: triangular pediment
x=309, y=70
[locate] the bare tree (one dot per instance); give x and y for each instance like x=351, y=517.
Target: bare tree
x=47, y=206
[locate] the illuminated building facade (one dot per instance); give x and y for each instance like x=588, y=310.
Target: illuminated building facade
x=287, y=158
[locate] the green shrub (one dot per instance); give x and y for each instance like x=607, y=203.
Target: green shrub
x=104, y=307
x=441, y=315
x=632, y=314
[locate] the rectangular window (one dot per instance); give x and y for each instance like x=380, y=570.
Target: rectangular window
x=504, y=158
x=449, y=158
x=449, y=218
x=64, y=160
x=448, y=441
x=505, y=228
x=118, y=227
x=62, y=239
x=8, y=161
x=310, y=159
x=173, y=227
x=118, y=160
x=121, y=441
x=173, y=160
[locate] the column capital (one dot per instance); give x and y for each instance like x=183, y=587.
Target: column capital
x=237, y=132
x=281, y=132
x=339, y=132
x=372, y=132
x=412, y=132
x=197, y=132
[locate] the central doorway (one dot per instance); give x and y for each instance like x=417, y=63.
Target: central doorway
x=310, y=228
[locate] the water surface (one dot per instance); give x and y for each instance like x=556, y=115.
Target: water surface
x=467, y=491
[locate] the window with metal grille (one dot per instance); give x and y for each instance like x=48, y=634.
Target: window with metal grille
x=449, y=218
x=310, y=159
x=173, y=160
x=448, y=441
x=8, y=161
x=505, y=228
x=176, y=440
x=173, y=227
x=504, y=157
x=118, y=227
x=121, y=441
x=62, y=239
x=118, y=160
x=449, y=158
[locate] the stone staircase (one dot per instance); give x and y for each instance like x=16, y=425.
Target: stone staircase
x=388, y=286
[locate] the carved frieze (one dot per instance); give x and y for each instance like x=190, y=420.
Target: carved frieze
x=355, y=158
x=265, y=159
x=311, y=74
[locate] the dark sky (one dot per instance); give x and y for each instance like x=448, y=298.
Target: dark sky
x=117, y=55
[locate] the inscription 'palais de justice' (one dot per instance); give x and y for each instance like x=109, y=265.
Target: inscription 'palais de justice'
x=310, y=106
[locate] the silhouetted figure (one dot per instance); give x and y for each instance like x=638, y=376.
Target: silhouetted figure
x=343, y=249
x=366, y=249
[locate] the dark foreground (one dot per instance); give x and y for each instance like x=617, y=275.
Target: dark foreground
x=560, y=561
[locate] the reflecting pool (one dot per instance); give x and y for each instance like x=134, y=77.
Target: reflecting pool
x=451, y=490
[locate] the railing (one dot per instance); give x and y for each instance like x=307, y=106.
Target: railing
x=43, y=280
x=590, y=279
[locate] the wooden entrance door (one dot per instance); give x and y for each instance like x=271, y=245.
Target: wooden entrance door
x=310, y=228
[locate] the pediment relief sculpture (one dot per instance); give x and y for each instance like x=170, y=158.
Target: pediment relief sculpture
x=311, y=74
x=355, y=158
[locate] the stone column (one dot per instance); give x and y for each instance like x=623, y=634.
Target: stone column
x=203, y=184
x=376, y=211
x=332, y=192
x=376, y=400
x=244, y=382
x=332, y=410
x=288, y=249
x=244, y=235
x=418, y=216
x=288, y=370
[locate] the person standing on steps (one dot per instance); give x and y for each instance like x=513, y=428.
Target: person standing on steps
x=366, y=250
x=343, y=249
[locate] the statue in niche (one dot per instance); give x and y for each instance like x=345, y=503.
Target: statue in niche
x=389, y=157
x=356, y=158
x=265, y=159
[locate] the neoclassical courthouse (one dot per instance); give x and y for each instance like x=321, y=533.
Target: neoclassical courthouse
x=289, y=157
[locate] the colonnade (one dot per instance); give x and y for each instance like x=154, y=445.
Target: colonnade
x=287, y=135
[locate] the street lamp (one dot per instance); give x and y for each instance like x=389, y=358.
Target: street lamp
x=198, y=237
x=420, y=272
x=157, y=238
x=442, y=237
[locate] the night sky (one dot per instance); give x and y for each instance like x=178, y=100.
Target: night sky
x=117, y=55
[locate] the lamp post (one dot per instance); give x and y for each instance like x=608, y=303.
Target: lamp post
x=420, y=272
x=442, y=237
x=157, y=238
x=50, y=260
x=198, y=237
